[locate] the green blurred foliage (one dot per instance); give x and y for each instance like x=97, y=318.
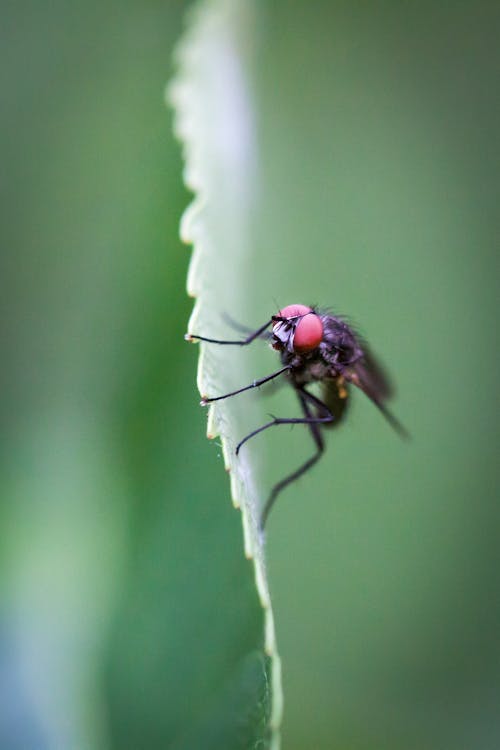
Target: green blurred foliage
x=379, y=135
x=125, y=620
x=114, y=505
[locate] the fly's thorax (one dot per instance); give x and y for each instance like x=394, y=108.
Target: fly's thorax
x=317, y=369
x=340, y=346
x=308, y=369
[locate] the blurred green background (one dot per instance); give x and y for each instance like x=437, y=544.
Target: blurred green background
x=378, y=138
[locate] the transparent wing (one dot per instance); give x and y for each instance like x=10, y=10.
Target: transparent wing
x=373, y=377
x=369, y=375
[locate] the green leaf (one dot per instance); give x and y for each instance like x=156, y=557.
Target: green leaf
x=215, y=121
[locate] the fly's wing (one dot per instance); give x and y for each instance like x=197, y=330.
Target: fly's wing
x=368, y=375
x=371, y=373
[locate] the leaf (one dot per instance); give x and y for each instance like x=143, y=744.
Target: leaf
x=214, y=120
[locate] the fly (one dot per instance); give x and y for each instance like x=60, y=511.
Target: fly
x=314, y=347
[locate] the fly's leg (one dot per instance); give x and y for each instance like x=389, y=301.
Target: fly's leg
x=241, y=342
x=314, y=428
x=277, y=420
x=264, y=334
x=255, y=384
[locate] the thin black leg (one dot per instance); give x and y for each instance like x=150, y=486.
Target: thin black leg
x=304, y=397
x=278, y=420
x=255, y=384
x=244, y=329
x=242, y=342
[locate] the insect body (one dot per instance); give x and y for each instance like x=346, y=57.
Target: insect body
x=314, y=346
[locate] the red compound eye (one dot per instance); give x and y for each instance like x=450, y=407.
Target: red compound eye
x=309, y=329
x=308, y=333
x=293, y=311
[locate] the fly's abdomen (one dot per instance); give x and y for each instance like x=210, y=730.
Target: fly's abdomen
x=336, y=397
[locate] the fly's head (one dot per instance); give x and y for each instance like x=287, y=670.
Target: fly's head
x=297, y=330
